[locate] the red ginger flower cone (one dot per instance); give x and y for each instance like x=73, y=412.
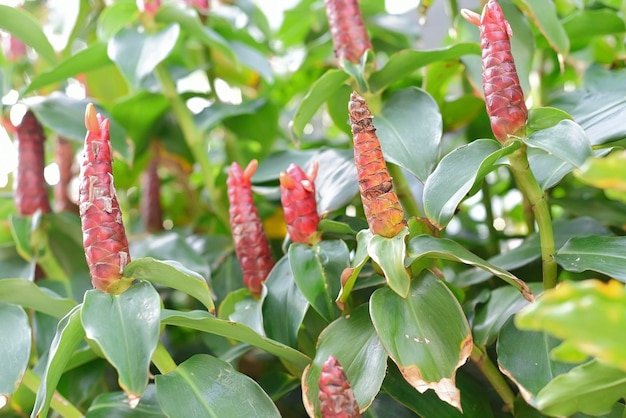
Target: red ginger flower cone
x=104, y=237
x=297, y=193
x=31, y=189
x=350, y=39
x=251, y=244
x=383, y=211
x=503, y=94
x=336, y=397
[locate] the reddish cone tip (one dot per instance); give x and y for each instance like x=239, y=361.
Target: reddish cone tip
x=336, y=396
x=350, y=38
x=298, y=197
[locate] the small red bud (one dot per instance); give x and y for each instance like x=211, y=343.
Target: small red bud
x=336, y=397
x=297, y=192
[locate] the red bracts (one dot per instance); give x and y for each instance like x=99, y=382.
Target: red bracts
x=383, y=211
x=251, y=244
x=336, y=397
x=503, y=94
x=31, y=190
x=297, y=193
x=350, y=39
x=104, y=237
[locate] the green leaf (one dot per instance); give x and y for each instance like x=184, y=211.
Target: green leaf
x=212, y=115
x=284, y=305
x=205, y=322
x=545, y=17
x=15, y=342
x=125, y=327
x=605, y=173
x=545, y=117
x=389, y=254
x=446, y=249
x=349, y=275
x=91, y=58
x=597, y=253
x=241, y=307
x=66, y=116
x=470, y=163
x=582, y=25
x=28, y=295
x=114, y=17
x=524, y=356
x=405, y=62
x=548, y=169
x=585, y=315
x=592, y=388
x=426, y=335
x=69, y=334
x=21, y=24
x=252, y=59
x=320, y=91
x=137, y=53
x=317, y=270
x=364, y=359
x=171, y=274
x=115, y=404
x=336, y=181
x=400, y=133
x=566, y=140
x=204, y=386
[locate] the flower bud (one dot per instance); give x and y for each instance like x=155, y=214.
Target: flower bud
x=297, y=193
x=350, y=39
x=336, y=397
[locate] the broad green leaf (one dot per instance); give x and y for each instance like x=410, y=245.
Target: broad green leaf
x=585, y=316
x=317, y=272
x=584, y=24
x=401, y=133
x=336, y=181
x=502, y=304
x=591, y=388
x=115, y=404
x=320, y=91
x=566, y=140
x=114, y=17
x=284, y=305
x=206, y=322
x=66, y=116
x=364, y=359
x=15, y=342
x=253, y=59
x=545, y=117
x=529, y=250
x=64, y=242
x=204, y=386
x=28, y=295
x=241, y=307
x=21, y=24
x=524, y=356
x=603, y=254
x=69, y=334
x=212, y=115
x=125, y=328
x=91, y=58
x=404, y=62
x=426, y=335
x=605, y=173
x=171, y=274
x=336, y=106
x=349, y=275
x=456, y=175
x=547, y=21
x=22, y=228
x=446, y=249
x=137, y=53
x=548, y=169
x=389, y=254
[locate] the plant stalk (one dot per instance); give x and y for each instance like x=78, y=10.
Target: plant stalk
x=493, y=375
x=538, y=200
x=163, y=360
x=403, y=190
x=492, y=239
x=61, y=405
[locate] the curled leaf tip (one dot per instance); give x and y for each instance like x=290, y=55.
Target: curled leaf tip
x=91, y=119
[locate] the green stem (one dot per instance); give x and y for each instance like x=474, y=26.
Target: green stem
x=403, y=191
x=492, y=239
x=493, y=375
x=163, y=360
x=61, y=405
x=538, y=200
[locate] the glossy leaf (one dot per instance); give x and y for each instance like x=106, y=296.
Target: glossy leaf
x=317, y=272
x=443, y=248
x=212, y=115
x=125, y=328
x=364, y=359
x=137, y=54
x=241, y=307
x=116, y=404
x=284, y=305
x=598, y=253
x=336, y=182
x=28, y=295
x=566, y=140
x=389, y=254
x=584, y=24
x=320, y=91
x=69, y=334
x=350, y=275
x=206, y=322
x=204, y=386
x=171, y=274
x=584, y=315
x=400, y=133
x=426, y=335
x=545, y=117
x=404, y=62
x=545, y=17
x=470, y=164
x=21, y=24
x=605, y=173
x=15, y=342
x=115, y=17
x=548, y=169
